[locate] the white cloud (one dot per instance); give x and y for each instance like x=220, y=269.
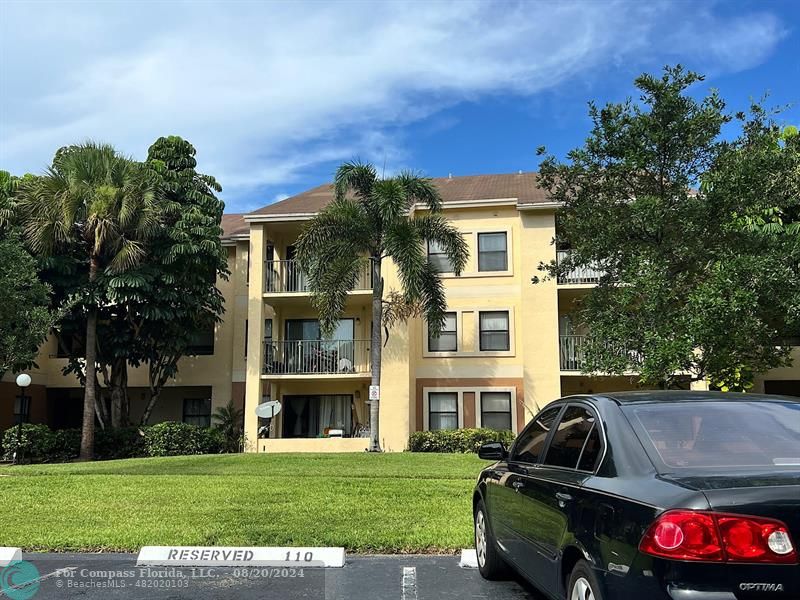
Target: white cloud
x=267, y=90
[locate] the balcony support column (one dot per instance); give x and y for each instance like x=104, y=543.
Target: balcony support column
x=255, y=336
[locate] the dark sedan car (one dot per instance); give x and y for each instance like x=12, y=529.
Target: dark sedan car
x=648, y=495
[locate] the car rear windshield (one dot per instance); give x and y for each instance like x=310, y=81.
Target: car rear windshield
x=720, y=434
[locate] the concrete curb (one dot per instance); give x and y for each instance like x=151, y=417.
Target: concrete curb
x=9, y=556
x=469, y=559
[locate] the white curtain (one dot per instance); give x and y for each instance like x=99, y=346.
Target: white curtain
x=442, y=410
x=334, y=413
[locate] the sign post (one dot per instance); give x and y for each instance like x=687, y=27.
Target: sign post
x=374, y=393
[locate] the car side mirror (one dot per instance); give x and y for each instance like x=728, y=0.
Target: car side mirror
x=492, y=451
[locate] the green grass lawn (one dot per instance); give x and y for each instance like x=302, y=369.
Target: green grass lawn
x=364, y=502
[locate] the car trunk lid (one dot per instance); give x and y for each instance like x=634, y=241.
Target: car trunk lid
x=774, y=496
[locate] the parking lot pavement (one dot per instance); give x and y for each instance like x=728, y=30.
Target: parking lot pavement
x=115, y=576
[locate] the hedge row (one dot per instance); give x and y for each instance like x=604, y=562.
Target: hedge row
x=456, y=440
x=41, y=444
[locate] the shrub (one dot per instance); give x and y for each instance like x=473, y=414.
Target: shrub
x=456, y=440
x=36, y=443
x=66, y=445
x=123, y=442
x=175, y=439
x=214, y=441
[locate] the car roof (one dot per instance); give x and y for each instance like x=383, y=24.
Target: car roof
x=690, y=396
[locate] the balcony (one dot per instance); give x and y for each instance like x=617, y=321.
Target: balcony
x=580, y=276
x=285, y=276
x=317, y=357
x=571, y=353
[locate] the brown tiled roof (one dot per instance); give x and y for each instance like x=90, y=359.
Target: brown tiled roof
x=520, y=186
x=234, y=224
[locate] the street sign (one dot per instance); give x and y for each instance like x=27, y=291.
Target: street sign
x=374, y=392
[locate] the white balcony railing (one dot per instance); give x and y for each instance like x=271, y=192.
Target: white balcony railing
x=571, y=352
x=582, y=275
x=287, y=276
x=572, y=358
x=328, y=357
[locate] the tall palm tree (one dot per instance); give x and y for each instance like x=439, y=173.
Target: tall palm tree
x=372, y=219
x=102, y=205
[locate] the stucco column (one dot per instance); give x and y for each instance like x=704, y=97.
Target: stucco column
x=539, y=318
x=396, y=375
x=255, y=334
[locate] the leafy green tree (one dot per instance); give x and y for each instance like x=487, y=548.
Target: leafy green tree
x=24, y=316
x=8, y=188
x=101, y=206
x=174, y=294
x=148, y=315
x=688, y=288
x=372, y=219
x=757, y=182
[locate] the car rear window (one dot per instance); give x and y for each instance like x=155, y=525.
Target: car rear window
x=720, y=434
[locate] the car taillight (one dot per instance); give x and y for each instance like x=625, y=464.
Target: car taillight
x=683, y=535
x=718, y=537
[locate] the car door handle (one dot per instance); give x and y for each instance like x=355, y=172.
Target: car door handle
x=562, y=497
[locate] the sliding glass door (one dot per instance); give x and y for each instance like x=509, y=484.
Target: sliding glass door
x=315, y=416
x=311, y=353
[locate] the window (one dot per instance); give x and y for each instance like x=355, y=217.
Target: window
x=309, y=329
x=442, y=410
x=22, y=408
x=438, y=258
x=492, y=252
x=570, y=438
x=591, y=451
x=496, y=410
x=197, y=411
x=720, y=435
x=247, y=272
x=529, y=445
x=494, y=331
x=268, y=329
x=785, y=387
x=202, y=342
x=447, y=340
x=69, y=344
x=272, y=278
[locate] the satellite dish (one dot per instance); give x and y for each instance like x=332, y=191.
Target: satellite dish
x=267, y=410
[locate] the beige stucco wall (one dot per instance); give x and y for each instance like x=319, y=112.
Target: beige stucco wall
x=539, y=322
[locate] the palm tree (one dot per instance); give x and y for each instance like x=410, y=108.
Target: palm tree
x=369, y=220
x=228, y=419
x=103, y=205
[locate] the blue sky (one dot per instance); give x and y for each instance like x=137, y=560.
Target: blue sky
x=275, y=95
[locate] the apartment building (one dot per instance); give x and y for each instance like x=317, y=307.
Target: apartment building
x=509, y=346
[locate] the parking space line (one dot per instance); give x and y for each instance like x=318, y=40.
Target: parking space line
x=409, y=583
